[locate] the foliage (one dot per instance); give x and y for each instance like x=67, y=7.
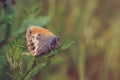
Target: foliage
x=14, y=56
x=92, y=24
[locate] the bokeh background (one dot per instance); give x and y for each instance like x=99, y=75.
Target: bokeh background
x=93, y=25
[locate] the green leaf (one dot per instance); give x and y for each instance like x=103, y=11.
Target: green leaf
x=65, y=46
x=3, y=63
x=13, y=52
x=42, y=61
x=30, y=64
x=59, y=49
x=35, y=70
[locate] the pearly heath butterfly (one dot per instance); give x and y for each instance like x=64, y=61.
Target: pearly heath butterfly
x=40, y=40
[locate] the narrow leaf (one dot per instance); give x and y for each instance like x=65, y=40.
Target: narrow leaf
x=35, y=70
x=67, y=45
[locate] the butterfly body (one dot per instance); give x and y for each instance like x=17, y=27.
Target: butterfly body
x=40, y=40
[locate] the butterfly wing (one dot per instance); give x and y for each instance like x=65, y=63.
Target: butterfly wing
x=40, y=40
x=45, y=44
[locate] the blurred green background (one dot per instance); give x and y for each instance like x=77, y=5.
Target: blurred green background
x=94, y=25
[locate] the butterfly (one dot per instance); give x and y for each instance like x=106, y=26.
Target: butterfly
x=41, y=40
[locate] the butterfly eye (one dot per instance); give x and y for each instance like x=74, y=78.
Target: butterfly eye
x=58, y=38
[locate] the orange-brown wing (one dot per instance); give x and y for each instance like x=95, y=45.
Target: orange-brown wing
x=38, y=40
